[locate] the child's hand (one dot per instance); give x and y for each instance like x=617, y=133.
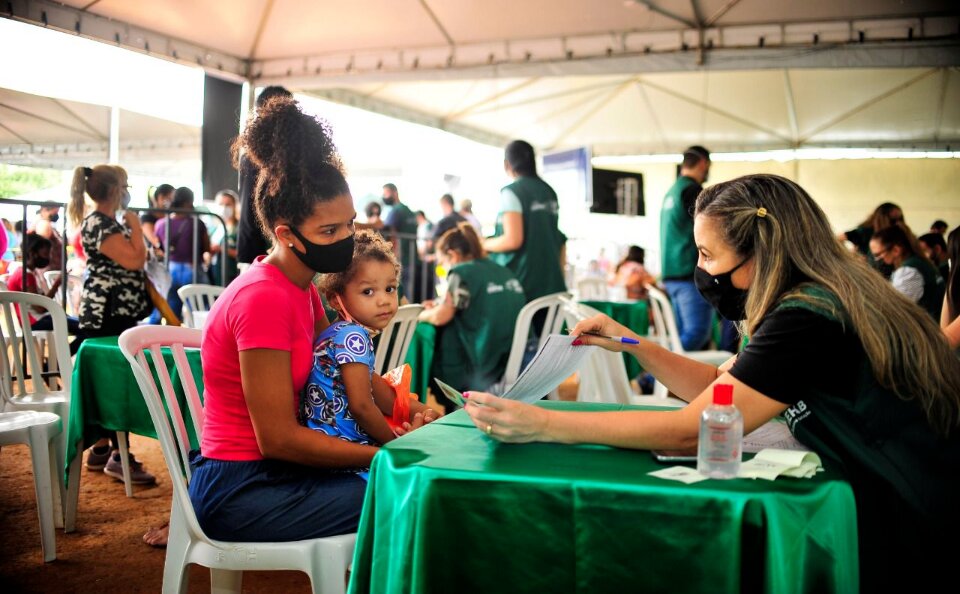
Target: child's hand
x=408, y=427
x=430, y=416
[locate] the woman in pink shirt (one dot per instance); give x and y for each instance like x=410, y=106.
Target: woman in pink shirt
x=259, y=475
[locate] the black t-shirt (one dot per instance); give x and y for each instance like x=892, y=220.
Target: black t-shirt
x=446, y=223
x=149, y=217
x=689, y=197
x=250, y=240
x=793, y=349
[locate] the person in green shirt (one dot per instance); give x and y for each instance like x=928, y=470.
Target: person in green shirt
x=527, y=239
x=913, y=275
x=862, y=377
x=476, y=318
x=678, y=252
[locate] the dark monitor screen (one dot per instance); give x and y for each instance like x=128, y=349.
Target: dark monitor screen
x=617, y=192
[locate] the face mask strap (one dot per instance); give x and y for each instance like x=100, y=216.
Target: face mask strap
x=343, y=309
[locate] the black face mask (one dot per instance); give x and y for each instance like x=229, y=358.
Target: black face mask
x=39, y=262
x=54, y=217
x=885, y=269
x=719, y=292
x=389, y=200
x=332, y=257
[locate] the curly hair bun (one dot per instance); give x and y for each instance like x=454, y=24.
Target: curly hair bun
x=297, y=161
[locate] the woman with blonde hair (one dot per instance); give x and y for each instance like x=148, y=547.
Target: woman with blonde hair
x=862, y=375
x=114, y=295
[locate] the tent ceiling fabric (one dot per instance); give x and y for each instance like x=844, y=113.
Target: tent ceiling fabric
x=48, y=132
x=620, y=76
x=665, y=112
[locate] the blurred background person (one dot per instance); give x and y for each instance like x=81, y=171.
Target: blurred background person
x=914, y=276
x=883, y=216
x=631, y=274
x=185, y=265
x=939, y=226
x=49, y=215
x=934, y=247
x=161, y=198
x=466, y=211
x=223, y=241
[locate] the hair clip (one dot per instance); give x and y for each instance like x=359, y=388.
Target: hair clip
x=87, y=172
x=761, y=212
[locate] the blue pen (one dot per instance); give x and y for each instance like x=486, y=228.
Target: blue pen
x=622, y=339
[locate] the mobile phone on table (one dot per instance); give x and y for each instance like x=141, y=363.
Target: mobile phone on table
x=674, y=455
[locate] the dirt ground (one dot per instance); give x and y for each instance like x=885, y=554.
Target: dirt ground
x=105, y=553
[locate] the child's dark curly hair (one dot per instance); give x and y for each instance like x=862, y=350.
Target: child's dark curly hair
x=367, y=245
x=297, y=161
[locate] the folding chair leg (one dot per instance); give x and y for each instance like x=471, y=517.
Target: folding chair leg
x=122, y=437
x=40, y=456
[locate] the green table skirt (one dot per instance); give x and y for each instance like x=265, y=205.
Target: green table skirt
x=450, y=510
x=105, y=395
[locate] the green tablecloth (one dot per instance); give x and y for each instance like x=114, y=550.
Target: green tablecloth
x=450, y=510
x=420, y=358
x=634, y=315
x=105, y=394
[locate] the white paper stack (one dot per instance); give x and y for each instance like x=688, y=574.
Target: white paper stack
x=772, y=462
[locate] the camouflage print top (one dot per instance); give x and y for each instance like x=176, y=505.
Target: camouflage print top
x=109, y=290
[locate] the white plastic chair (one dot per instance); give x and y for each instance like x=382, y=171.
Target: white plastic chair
x=197, y=301
x=41, y=336
x=40, y=432
x=667, y=335
x=325, y=560
x=553, y=323
x=74, y=284
x=403, y=325
x=592, y=289
x=39, y=394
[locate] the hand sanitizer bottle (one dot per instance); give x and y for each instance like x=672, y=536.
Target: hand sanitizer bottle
x=721, y=436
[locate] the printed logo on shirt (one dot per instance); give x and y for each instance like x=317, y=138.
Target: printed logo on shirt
x=355, y=344
x=796, y=413
x=315, y=394
x=514, y=286
x=494, y=288
x=345, y=358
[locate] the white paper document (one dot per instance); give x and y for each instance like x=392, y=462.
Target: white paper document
x=683, y=474
x=771, y=463
x=772, y=434
x=556, y=361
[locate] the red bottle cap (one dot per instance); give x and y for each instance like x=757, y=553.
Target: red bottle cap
x=723, y=394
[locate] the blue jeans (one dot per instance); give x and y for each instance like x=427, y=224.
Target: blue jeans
x=45, y=322
x=273, y=501
x=694, y=315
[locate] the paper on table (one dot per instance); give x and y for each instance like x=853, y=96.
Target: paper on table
x=771, y=463
x=772, y=434
x=684, y=474
x=555, y=362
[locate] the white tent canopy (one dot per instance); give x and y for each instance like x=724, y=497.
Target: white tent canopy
x=57, y=133
x=619, y=76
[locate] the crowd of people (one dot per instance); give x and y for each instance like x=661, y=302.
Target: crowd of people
x=875, y=328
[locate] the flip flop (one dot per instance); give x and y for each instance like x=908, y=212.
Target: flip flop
x=157, y=537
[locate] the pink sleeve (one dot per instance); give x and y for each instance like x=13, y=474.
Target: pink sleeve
x=261, y=319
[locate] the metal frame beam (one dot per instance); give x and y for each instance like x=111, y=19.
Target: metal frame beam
x=791, y=107
x=81, y=22
x=49, y=121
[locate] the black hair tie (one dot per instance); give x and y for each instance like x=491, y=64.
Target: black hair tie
x=87, y=172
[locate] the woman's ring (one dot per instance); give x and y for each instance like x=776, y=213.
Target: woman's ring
x=489, y=429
